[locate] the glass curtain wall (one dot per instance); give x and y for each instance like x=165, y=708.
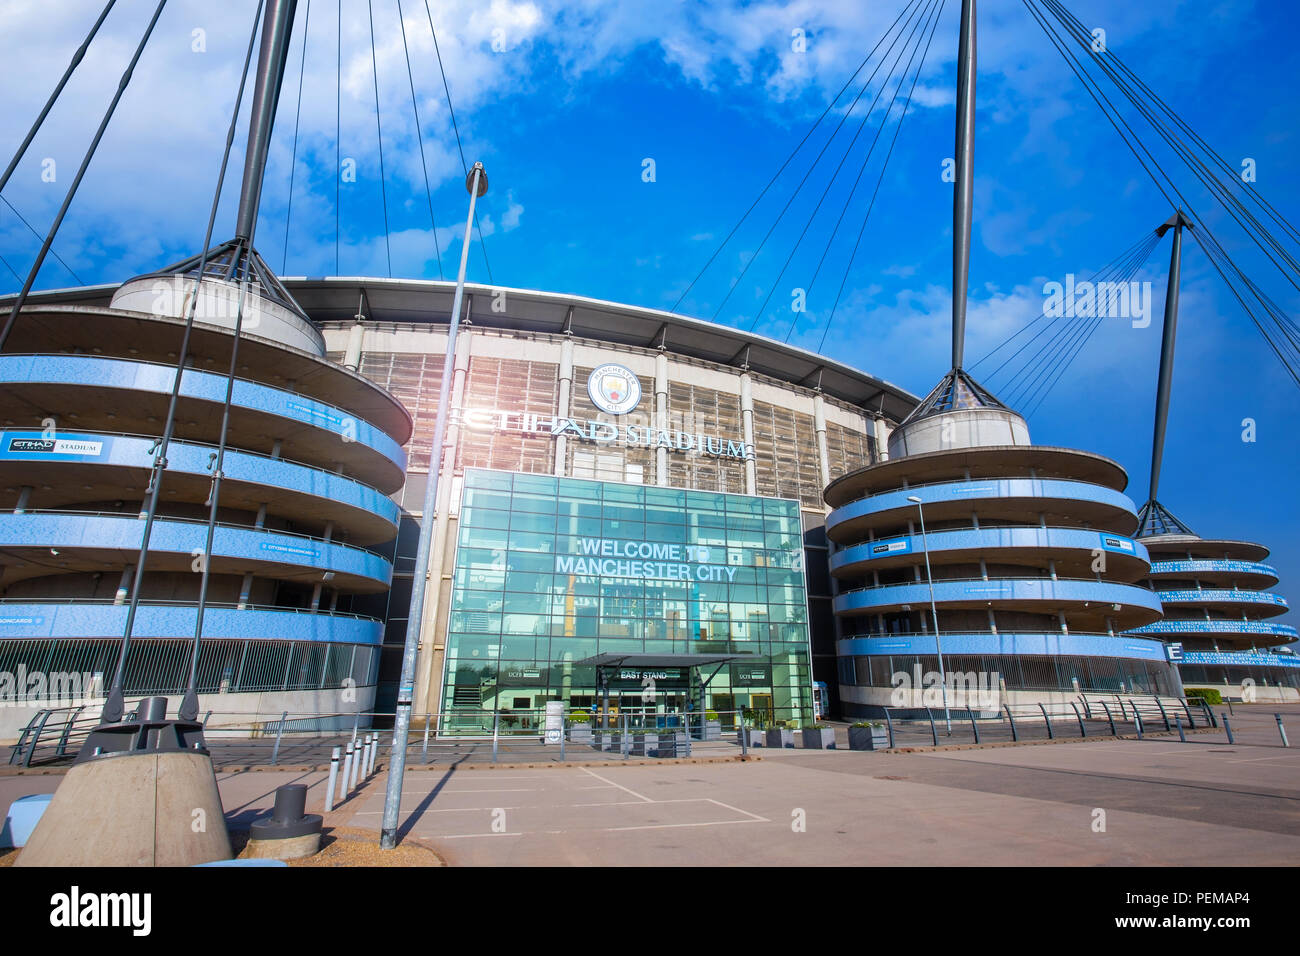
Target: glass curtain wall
x=550, y=571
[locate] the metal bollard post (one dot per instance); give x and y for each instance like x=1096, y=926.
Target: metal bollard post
x=1281, y=730
x=424, y=752
x=374, y=752
x=623, y=736
x=370, y=754
x=357, y=748
x=334, y=779
x=1137, y=721
x=275, y=753
x=1178, y=721
x=1227, y=726
x=564, y=733
x=744, y=738
x=496, y=735
x=347, y=774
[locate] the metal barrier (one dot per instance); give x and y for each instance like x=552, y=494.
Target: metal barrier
x=1091, y=716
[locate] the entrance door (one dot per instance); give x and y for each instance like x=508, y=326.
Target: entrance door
x=761, y=704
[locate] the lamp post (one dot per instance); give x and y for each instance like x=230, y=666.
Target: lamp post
x=477, y=184
x=934, y=613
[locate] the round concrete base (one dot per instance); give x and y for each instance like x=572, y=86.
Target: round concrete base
x=133, y=809
x=291, y=848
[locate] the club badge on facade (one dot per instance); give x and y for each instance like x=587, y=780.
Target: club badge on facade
x=614, y=389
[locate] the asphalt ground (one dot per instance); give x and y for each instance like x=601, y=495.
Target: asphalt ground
x=1156, y=801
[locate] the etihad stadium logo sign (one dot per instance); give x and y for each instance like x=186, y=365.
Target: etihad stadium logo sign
x=614, y=389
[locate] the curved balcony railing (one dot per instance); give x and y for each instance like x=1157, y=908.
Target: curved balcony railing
x=1199, y=626
x=1021, y=643
x=1064, y=591
x=168, y=619
x=93, y=371
x=988, y=539
x=132, y=451
x=989, y=489
x=1197, y=566
x=70, y=531
x=1221, y=596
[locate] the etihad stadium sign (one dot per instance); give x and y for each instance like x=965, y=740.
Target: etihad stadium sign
x=602, y=433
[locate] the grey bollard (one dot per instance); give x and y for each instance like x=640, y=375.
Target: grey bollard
x=1227, y=727
x=344, y=785
x=334, y=779
x=1281, y=730
x=1181, y=736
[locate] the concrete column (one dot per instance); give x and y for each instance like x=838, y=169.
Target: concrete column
x=661, y=414
x=245, y=591
x=566, y=391
x=124, y=585
x=425, y=692
x=819, y=424
x=24, y=496
x=747, y=425
x=882, y=439
x=352, y=357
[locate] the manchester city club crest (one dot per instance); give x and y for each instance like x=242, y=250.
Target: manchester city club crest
x=614, y=389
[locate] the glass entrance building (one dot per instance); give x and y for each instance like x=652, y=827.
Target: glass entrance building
x=551, y=571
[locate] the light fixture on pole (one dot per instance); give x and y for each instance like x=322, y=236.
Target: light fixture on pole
x=934, y=613
x=476, y=183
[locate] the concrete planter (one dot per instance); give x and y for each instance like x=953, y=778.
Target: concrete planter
x=779, y=737
x=822, y=738
x=754, y=738
x=868, y=738
x=604, y=740
x=580, y=733
x=671, y=745
x=641, y=745
x=713, y=730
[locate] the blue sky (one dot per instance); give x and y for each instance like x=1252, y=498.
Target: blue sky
x=563, y=100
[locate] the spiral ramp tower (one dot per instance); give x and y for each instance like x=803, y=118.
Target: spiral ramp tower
x=1034, y=566
x=1218, y=611
x=301, y=559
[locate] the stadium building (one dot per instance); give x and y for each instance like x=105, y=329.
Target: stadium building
x=623, y=482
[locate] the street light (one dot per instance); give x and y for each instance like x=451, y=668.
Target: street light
x=934, y=613
x=476, y=183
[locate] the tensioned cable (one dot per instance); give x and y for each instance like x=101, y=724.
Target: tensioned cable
x=456, y=129
x=1048, y=356
x=6, y=264
x=58, y=89
x=30, y=229
x=383, y=189
x=338, y=130
x=884, y=120
x=1216, y=187
x=1121, y=264
x=798, y=146
x=1118, y=120
x=1042, y=315
x=76, y=182
x=293, y=159
x=419, y=138
x=112, y=708
x=1037, y=394
x=784, y=209
x=898, y=128
x=875, y=140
